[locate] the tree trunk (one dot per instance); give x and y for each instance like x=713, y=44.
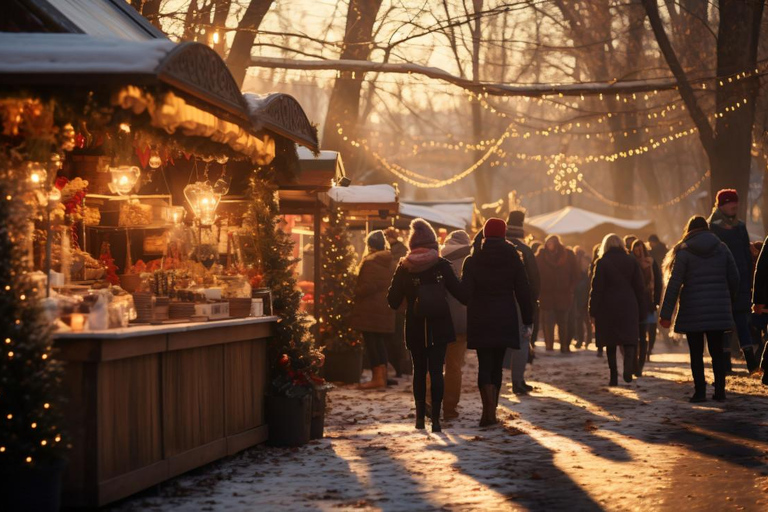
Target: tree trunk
x=240, y=53
x=344, y=104
x=483, y=176
x=737, y=41
x=220, y=14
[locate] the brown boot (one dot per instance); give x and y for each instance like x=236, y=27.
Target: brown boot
x=379, y=379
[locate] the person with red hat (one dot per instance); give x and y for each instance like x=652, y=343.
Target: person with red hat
x=724, y=223
x=496, y=284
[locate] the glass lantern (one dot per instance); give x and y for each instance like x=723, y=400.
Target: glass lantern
x=203, y=200
x=124, y=178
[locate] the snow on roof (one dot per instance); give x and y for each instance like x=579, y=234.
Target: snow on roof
x=462, y=209
x=433, y=214
x=79, y=53
x=101, y=18
x=305, y=154
x=372, y=194
x=571, y=220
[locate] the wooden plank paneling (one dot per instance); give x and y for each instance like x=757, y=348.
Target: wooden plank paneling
x=133, y=482
x=129, y=415
x=245, y=371
x=196, y=457
x=193, y=398
x=203, y=338
x=139, y=346
x=243, y=440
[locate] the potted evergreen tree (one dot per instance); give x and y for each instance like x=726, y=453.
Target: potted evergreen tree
x=32, y=445
x=342, y=346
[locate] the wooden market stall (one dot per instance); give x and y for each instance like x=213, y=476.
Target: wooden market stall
x=151, y=394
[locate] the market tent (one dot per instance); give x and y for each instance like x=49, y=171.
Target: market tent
x=447, y=216
x=185, y=87
x=282, y=114
x=578, y=226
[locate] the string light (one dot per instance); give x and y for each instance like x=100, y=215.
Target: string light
x=660, y=206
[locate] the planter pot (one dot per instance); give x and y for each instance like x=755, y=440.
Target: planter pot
x=35, y=489
x=318, y=414
x=289, y=420
x=344, y=366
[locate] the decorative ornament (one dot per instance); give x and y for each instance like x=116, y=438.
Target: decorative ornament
x=567, y=177
x=155, y=160
x=36, y=174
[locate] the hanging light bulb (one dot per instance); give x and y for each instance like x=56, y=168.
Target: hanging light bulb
x=36, y=174
x=203, y=200
x=154, y=159
x=221, y=186
x=124, y=178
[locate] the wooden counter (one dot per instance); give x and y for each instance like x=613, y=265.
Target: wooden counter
x=148, y=403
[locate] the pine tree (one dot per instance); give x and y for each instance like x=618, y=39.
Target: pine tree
x=338, y=286
x=293, y=359
x=30, y=408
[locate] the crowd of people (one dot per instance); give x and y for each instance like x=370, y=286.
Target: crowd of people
x=494, y=292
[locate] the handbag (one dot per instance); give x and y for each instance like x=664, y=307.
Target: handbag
x=431, y=301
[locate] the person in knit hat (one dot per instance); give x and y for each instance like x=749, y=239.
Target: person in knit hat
x=516, y=235
x=496, y=284
x=370, y=314
x=421, y=280
x=725, y=224
x=456, y=248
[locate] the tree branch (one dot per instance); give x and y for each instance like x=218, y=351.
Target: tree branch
x=686, y=91
x=493, y=89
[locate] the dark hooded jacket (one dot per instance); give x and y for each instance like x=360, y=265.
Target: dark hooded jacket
x=616, y=299
x=706, y=280
x=420, y=332
x=515, y=237
x=495, y=280
x=737, y=240
x=371, y=312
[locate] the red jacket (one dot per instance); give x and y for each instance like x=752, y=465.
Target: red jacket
x=559, y=271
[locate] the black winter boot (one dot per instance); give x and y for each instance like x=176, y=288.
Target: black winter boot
x=436, y=416
x=629, y=362
x=420, y=410
x=753, y=363
x=614, y=381
x=519, y=388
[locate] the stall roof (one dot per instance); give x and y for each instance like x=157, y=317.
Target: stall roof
x=202, y=98
x=364, y=194
x=572, y=220
x=282, y=114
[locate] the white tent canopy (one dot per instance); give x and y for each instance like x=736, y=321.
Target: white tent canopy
x=433, y=215
x=571, y=220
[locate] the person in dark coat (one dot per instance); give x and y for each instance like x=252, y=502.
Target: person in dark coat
x=615, y=302
x=591, y=274
x=582, y=322
x=457, y=247
x=426, y=338
x=658, y=249
x=704, y=277
x=398, y=355
x=496, y=283
x=370, y=314
x=648, y=313
x=559, y=274
x=516, y=236
x=726, y=225
x=760, y=300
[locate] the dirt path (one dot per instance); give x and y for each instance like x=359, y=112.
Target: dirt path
x=574, y=444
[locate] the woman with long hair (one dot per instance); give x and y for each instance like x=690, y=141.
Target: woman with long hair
x=496, y=283
x=704, y=277
x=615, y=303
x=422, y=279
x=647, y=315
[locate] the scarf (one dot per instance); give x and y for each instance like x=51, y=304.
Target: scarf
x=722, y=220
x=515, y=232
x=646, y=265
x=420, y=259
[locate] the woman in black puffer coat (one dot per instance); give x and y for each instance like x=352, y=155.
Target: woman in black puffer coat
x=615, y=302
x=426, y=338
x=704, y=276
x=496, y=283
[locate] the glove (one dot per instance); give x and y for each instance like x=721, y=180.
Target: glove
x=665, y=323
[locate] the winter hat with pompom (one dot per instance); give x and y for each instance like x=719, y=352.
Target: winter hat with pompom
x=422, y=235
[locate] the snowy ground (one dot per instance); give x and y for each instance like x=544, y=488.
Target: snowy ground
x=574, y=444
